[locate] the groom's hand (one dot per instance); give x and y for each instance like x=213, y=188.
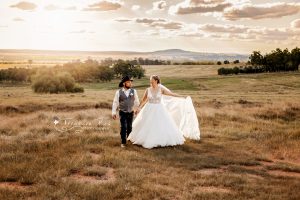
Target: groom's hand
x=114, y=116
x=137, y=111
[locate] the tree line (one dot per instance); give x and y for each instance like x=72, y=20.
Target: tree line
x=135, y=61
x=86, y=71
x=276, y=61
x=147, y=61
x=63, y=78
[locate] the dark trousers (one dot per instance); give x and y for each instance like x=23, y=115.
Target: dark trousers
x=126, y=125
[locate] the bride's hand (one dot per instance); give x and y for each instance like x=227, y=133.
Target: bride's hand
x=137, y=111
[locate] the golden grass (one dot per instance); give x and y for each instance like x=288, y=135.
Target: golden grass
x=249, y=147
x=25, y=65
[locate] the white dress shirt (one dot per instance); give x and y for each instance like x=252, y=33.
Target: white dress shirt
x=115, y=104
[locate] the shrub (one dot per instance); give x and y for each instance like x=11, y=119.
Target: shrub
x=105, y=73
x=49, y=82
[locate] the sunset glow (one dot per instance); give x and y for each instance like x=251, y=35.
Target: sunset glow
x=239, y=26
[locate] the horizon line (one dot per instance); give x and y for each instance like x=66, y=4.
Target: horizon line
x=128, y=51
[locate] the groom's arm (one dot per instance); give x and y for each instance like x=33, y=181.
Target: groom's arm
x=115, y=105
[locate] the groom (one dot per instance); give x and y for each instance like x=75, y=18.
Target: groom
x=125, y=99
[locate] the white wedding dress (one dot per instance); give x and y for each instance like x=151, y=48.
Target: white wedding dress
x=164, y=121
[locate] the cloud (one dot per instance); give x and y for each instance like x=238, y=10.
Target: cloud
x=167, y=25
x=159, y=5
x=126, y=31
x=295, y=23
x=226, y=32
x=191, y=34
x=149, y=20
x=224, y=28
x=78, y=32
x=240, y=32
x=135, y=7
x=154, y=22
x=83, y=21
x=271, y=34
x=123, y=20
x=51, y=7
x=159, y=23
x=18, y=19
x=70, y=8
x=261, y=11
x=199, y=6
x=24, y=5
x=104, y=6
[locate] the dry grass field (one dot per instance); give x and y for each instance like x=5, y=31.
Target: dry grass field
x=25, y=65
x=249, y=147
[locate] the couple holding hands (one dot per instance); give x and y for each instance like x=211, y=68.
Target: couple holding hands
x=163, y=118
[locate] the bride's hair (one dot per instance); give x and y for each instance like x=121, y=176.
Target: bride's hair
x=155, y=77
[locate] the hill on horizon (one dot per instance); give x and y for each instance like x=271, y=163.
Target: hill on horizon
x=65, y=56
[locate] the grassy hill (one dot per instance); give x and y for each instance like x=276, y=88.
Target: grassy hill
x=249, y=147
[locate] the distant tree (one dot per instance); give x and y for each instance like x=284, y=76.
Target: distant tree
x=236, y=61
x=236, y=70
x=138, y=72
x=295, y=59
x=274, y=61
x=126, y=69
x=221, y=71
x=256, y=58
x=105, y=73
x=226, y=62
x=107, y=62
x=219, y=63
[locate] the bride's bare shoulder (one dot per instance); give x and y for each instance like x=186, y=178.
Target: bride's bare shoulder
x=164, y=87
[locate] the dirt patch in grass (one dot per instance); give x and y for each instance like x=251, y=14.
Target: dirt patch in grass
x=15, y=186
x=93, y=175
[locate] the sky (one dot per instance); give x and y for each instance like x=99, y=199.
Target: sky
x=216, y=26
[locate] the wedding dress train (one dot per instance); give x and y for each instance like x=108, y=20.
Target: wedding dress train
x=164, y=121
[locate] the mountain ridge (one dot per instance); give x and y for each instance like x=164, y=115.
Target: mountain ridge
x=165, y=54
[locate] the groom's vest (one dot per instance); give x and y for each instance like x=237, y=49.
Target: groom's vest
x=126, y=103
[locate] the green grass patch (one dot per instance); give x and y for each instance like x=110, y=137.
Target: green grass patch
x=143, y=83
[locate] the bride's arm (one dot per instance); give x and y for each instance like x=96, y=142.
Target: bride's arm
x=144, y=100
x=168, y=92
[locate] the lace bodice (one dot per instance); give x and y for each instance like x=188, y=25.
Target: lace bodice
x=154, y=96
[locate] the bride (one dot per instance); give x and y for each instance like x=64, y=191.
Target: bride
x=163, y=121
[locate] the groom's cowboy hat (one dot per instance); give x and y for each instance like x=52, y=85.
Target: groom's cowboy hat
x=124, y=79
